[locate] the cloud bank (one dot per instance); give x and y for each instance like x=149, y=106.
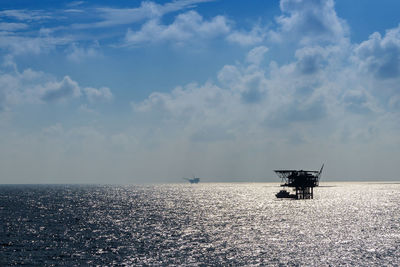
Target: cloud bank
x=329, y=95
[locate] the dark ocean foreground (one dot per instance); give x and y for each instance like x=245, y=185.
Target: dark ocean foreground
x=203, y=224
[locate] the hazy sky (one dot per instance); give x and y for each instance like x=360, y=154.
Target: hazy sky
x=152, y=91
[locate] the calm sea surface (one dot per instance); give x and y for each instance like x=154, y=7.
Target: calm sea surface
x=203, y=224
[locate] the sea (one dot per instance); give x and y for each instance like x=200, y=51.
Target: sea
x=205, y=224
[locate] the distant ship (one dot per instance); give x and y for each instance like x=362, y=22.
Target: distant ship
x=194, y=180
x=284, y=194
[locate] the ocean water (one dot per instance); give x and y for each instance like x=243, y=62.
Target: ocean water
x=197, y=225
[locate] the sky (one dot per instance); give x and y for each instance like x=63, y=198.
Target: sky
x=153, y=91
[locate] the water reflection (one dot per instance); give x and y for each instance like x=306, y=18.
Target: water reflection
x=183, y=224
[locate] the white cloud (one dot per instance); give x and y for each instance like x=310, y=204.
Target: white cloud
x=101, y=94
x=246, y=101
x=249, y=83
x=192, y=27
x=311, y=59
x=359, y=101
x=36, y=87
x=309, y=22
x=78, y=54
x=381, y=56
x=75, y=3
x=320, y=92
x=17, y=87
x=19, y=44
x=244, y=38
x=54, y=91
x=25, y=15
x=256, y=55
x=113, y=16
x=146, y=11
x=10, y=26
x=189, y=26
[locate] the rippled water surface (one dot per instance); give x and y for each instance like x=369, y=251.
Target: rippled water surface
x=203, y=224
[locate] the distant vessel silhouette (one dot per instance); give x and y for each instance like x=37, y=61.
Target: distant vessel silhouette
x=302, y=181
x=194, y=180
x=284, y=194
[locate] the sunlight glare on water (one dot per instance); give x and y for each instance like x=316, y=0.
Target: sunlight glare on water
x=210, y=223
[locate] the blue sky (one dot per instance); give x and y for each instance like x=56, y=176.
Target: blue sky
x=152, y=91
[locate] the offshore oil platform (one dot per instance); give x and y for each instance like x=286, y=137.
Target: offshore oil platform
x=194, y=180
x=303, y=182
